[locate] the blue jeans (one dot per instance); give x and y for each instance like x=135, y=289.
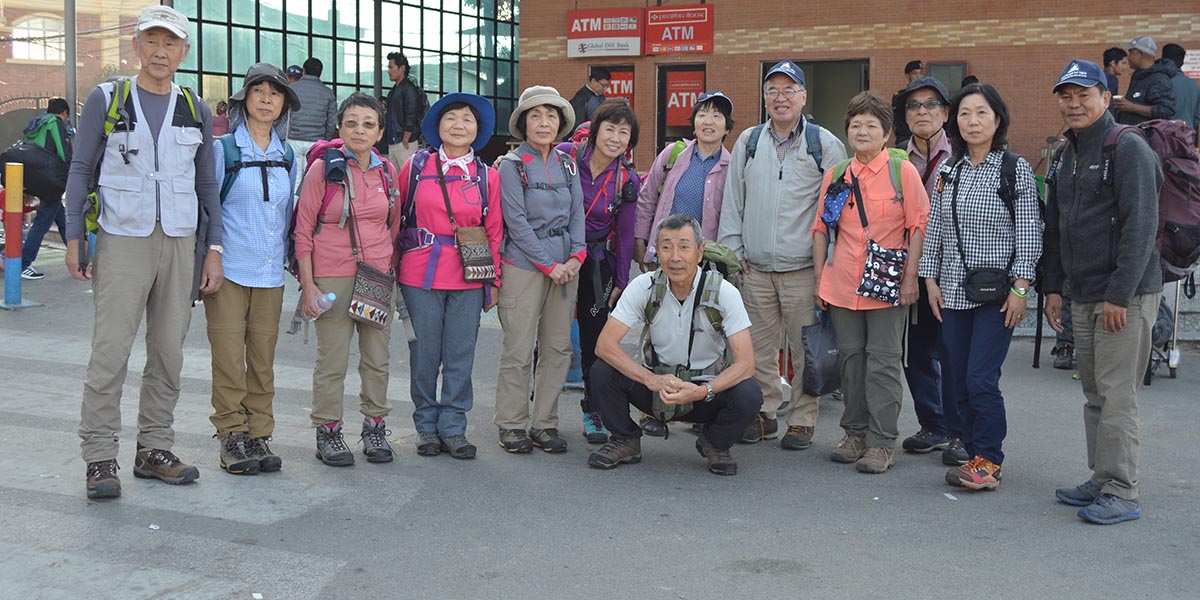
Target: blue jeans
x=47, y=213
x=447, y=324
x=977, y=343
x=924, y=373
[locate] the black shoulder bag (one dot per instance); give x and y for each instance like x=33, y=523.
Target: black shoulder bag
x=985, y=285
x=885, y=266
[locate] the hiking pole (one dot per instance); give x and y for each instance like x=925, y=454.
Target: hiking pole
x=14, y=217
x=1037, y=335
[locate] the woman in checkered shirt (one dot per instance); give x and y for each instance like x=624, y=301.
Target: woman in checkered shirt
x=984, y=214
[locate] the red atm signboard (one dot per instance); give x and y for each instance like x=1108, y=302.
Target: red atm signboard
x=683, y=87
x=606, y=32
x=679, y=30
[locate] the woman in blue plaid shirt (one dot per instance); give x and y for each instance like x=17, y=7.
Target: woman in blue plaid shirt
x=243, y=316
x=984, y=219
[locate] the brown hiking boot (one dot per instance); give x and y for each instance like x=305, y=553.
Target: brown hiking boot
x=720, y=462
x=152, y=463
x=102, y=480
x=796, y=438
x=617, y=451
x=763, y=427
x=848, y=450
x=876, y=460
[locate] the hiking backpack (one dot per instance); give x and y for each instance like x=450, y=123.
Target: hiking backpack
x=677, y=148
x=335, y=177
x=812, y=138
x=1178, y=237
x=234, y=164
x=416, y=165
x=564, y=161
x=710, y=294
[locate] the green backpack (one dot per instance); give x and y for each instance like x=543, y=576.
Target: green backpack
x=896, y=159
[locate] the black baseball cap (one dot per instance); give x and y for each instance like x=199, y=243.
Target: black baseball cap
x=925, y=81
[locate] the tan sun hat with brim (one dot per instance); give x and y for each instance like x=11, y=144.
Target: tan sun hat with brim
x=539, y=95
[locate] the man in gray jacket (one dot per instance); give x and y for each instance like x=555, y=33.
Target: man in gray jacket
x=317, y=118
x=1101, y=221
x=769, y=206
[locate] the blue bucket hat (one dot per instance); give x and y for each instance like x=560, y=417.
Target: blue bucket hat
x=788, y=68
x=1082, y=73
x=487, y=119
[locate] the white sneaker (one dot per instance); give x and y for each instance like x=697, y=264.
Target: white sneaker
x=30, y=273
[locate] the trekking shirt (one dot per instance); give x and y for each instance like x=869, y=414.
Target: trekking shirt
x=888, y=220
x=429, y=206
x=543, y=227
x=598, y=193
x=927, y=166
x=1099, y=243
x=770, y=199
x=654, y=206
x=377, y=225
x=317, y=118
x=675, y=320
x=51, y=133
x=256, y=225
x=1152, y=87
x=168, y=175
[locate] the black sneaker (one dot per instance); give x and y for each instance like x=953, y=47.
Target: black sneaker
x=954, y=453
x=652, y=427
x=31, y=273
x=616, y=452
x=375, y=444
x=331, y=446
x=102, y=480
x=257, y=448
x=233, y=456
x=548, y=440
x=924, y=441
x=720, y=462
x=458, y=447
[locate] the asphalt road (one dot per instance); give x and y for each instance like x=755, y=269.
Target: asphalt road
x=790, y=524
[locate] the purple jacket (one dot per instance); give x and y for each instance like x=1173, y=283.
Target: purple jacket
x=599, y=222
x=654, y=206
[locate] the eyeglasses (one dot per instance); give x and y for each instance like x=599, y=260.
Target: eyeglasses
x=788, y=93
x=352, y=125
x=927, y=105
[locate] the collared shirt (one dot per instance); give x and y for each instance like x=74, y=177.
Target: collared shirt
x=689, y=192
x=658, y=193
x=929, y=164
x=785, y=143
x=989, y=235
x=256, y=230
x=675, y=319
x=888, y=222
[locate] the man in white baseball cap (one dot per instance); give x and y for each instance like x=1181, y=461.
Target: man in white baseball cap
x=152, y=170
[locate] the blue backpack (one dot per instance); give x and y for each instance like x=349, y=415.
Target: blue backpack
x=234, y=164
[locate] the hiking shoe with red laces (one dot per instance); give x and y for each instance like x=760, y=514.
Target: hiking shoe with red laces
x=978, y=474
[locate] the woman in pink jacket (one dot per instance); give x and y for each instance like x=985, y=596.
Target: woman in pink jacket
x=324, y=250
x=443, y=182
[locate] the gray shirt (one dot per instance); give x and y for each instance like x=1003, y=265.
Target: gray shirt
x=89, y=148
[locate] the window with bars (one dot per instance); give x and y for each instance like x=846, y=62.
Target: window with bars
x=38, y=38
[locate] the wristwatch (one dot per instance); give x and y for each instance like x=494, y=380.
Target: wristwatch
x=1021, y=291
x=219, y=249
x=710, y=394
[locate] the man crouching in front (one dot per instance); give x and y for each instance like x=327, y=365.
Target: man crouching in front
x=691, y=317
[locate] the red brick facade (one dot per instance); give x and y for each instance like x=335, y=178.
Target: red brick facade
x=1020, y=47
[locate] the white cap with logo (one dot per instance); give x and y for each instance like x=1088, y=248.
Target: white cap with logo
x=163, y=16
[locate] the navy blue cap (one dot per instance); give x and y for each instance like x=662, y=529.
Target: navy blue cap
x=788, y=68
x=1081, y=72
x=716, y=95
x=295, y=71
x=926, y=81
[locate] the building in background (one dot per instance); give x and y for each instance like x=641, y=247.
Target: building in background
x=688, y=46
x=452, y=45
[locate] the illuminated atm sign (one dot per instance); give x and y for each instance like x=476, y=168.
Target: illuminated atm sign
x=679, y=30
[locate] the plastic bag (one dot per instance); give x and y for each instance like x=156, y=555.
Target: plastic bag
x=822, y=373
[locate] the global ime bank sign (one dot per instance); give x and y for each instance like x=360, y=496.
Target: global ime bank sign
x=638, y=31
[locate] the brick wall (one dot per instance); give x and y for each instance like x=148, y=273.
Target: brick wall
x=1020, y=47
